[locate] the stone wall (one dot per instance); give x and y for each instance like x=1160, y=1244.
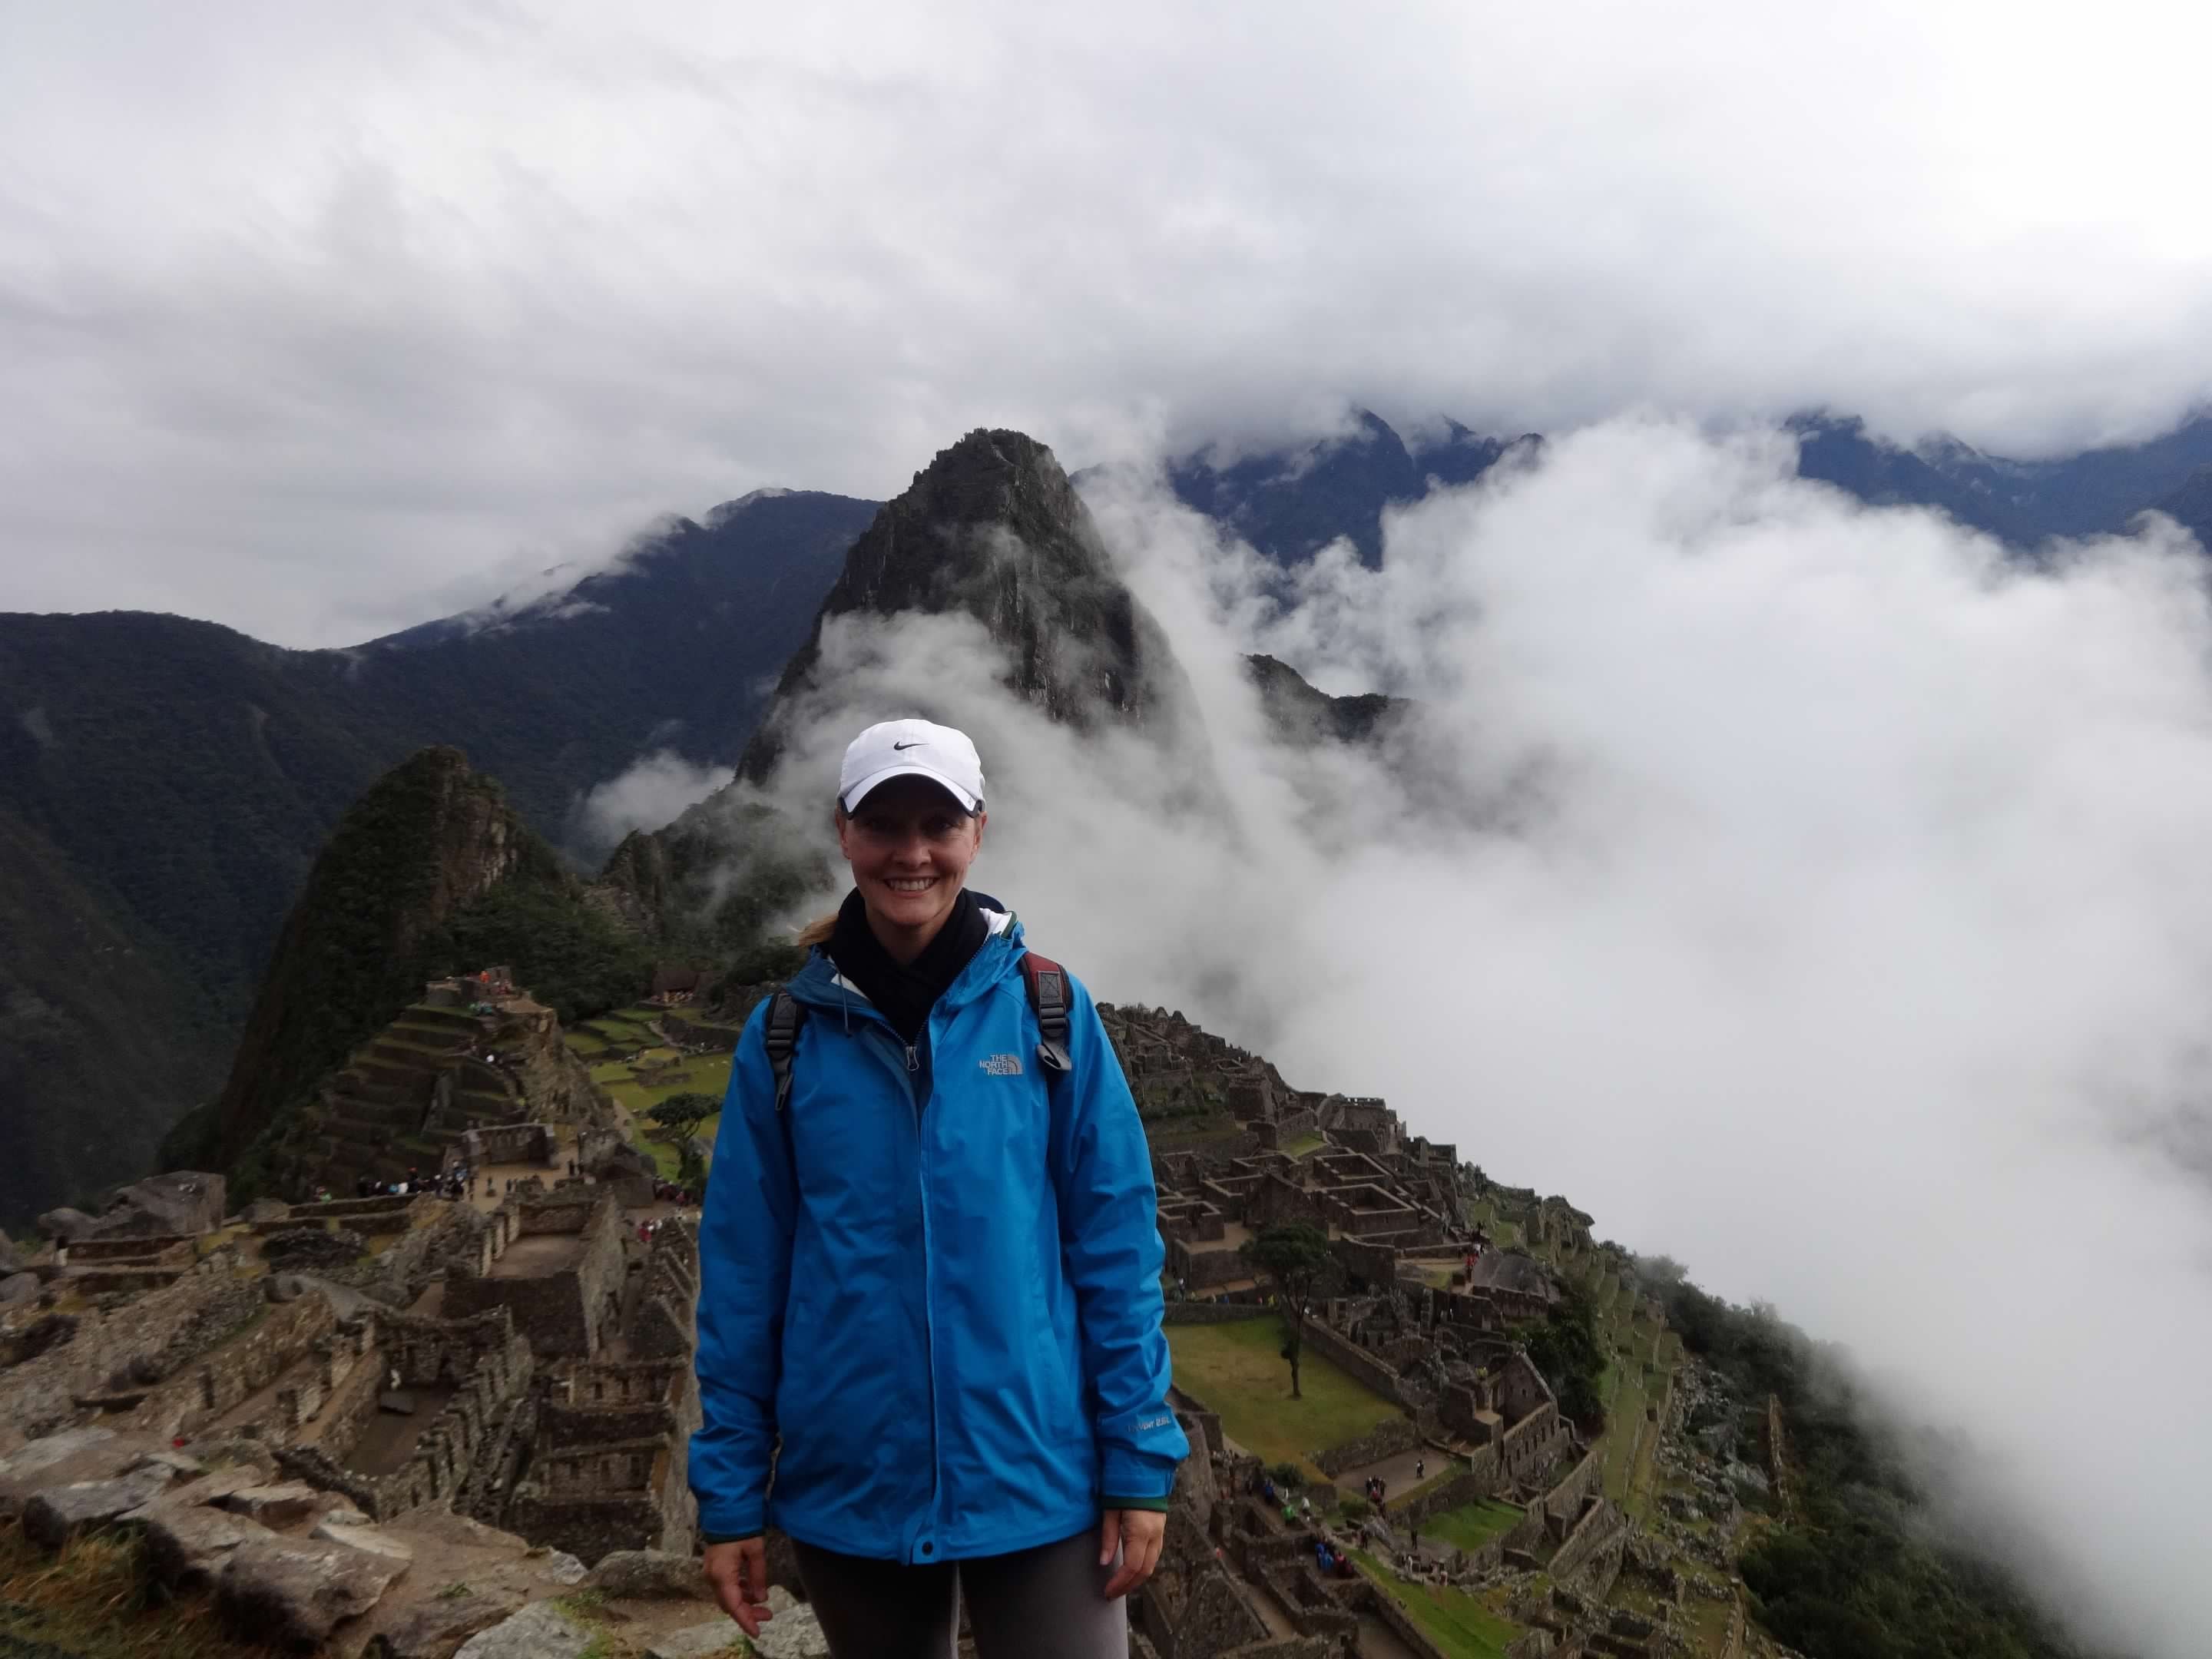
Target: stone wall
x=1564, y=1501
x=566, y=1312
x=489, y=1364
x=1592, y=1549
x=1530, y=1444
x=716, y=1039
x=593, y=1498
x=146, y=1341
x=278, y=1338
x=1478, y=1480
x=349, y=1394
x=175, y=1247
x=1350, y=1356
x=1368, y=1263
x=1213, y=1313
x=503, y=1143
x=1521, y=1388
x=608, y=1464
x=1306, y=1601
x=1276, y=1201
x=1202, y=1270
x=1282, y=1130
x=660, y=1324
x=384, y=1214
x=1198, y=1613
x=1399, y=1434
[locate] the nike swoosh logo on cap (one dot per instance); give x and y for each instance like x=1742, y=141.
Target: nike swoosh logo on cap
x=916, y=745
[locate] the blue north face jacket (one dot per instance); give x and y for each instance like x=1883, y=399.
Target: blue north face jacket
x=935, y=1276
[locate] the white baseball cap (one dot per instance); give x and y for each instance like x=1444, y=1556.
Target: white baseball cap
x=923, y=749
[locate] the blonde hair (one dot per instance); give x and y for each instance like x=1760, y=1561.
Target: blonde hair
x=816, y=932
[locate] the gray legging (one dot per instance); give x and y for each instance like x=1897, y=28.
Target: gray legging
x=1041, y=1603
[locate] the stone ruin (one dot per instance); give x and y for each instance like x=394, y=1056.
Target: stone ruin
x=181, y=1204
x=1420, y=1313
x=524, y=1369
x=476, y=1057
x=529, y=1369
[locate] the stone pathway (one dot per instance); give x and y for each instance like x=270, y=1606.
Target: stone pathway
x=1397, y=1474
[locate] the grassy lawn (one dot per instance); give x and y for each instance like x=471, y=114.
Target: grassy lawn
x=705, y=1074
x=1471, y=1526
x=1624, y=1422
x=701, y=1074
x=1238, y=1370
x=1304, y=1145
x=1453, y=1620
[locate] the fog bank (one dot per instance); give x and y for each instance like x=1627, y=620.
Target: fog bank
x=1806, y=891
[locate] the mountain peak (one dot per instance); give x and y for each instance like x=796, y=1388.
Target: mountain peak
x=991, y=527
x=428, y=838
x=718, y=515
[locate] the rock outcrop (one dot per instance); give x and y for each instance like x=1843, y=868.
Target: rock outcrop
x=993, y=528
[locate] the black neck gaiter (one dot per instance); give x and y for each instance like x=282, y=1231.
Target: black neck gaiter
x=904, y=996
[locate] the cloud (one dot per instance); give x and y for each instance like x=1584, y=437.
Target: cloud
x=652, y=791
x=1807, y=890
x=306, y=309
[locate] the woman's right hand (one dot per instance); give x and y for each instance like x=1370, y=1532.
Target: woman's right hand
x=739, y=1573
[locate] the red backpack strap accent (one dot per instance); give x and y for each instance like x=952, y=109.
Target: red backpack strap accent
x=1047, y=986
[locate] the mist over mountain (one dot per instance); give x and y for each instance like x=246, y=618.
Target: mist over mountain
x=177, y=777
x=1289, y=502
x=1792, y=882
x=990, y=542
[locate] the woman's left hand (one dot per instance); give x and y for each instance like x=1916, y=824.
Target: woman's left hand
x=1139, y=1533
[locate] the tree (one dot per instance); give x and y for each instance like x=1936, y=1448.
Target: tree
x=1566, y=1349
x=679, y=1116
x=1294, y=1257
x=692, y=1170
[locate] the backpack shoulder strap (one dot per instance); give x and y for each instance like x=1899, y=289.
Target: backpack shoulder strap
x=786, y=1014
x=1047, y=986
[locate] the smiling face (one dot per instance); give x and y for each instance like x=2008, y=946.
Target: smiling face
x=909, y=845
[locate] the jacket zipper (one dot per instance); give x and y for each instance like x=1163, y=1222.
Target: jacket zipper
x=928, y=1312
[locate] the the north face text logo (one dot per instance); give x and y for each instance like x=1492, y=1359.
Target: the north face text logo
x=1002, y=1064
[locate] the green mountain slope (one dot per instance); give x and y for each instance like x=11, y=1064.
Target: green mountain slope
x=430, y=872
x=184, y=775
x=102, y=1041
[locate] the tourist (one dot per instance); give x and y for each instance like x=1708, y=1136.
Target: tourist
x=937, y=1147
x=1421, y=1468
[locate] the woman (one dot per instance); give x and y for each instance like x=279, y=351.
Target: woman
x=930, y=1272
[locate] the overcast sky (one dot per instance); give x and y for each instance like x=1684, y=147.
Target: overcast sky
x=321, y=319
